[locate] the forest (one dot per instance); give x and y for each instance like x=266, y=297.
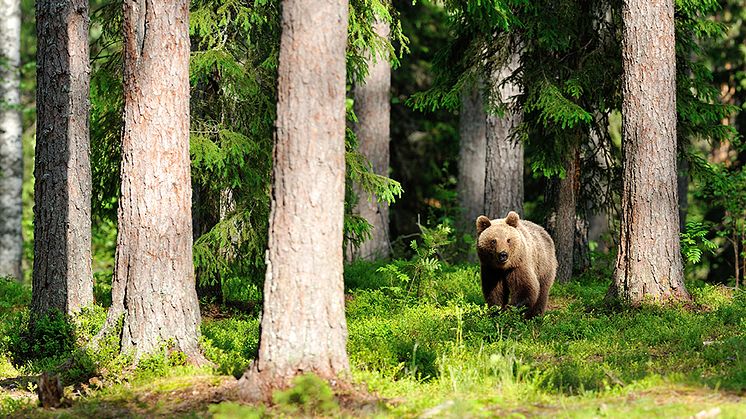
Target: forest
x=372, y=208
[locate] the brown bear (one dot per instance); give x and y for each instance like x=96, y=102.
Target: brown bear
x=518, y=263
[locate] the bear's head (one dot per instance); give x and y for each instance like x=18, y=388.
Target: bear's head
x=499, y=243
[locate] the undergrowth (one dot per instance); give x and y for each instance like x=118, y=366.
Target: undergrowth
x=441, y=348
x=443, y=344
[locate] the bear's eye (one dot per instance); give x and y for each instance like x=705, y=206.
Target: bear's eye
x=508, y=241
x=494, y=242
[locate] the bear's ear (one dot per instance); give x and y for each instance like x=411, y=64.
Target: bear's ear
x=512, y=219
x=483, y=223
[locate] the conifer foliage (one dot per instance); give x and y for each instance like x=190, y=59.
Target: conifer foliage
x=233, y=73
x=570, y=74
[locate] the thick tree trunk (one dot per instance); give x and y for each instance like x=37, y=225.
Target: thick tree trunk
x=154, y=286
x=11, y=152
x=62, y=277
x=503, y=189
x=303, y=320
x=472, y=157
x=649, y=262
x=373, y=110
x=562, y=221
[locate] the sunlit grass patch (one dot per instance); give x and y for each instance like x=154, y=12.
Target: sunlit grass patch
x=404, y=345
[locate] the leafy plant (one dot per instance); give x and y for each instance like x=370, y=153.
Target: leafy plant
x=694, y=242
x=418, y=273
x=13, y=294
x=725, y=188
x=309, y=395
x=48, y=336
x=158, y=363
x=231, y=343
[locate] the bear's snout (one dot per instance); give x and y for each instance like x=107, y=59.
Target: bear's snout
x=502, y=257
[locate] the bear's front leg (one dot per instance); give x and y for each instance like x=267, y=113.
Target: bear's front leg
x=495, y=291
x=526, y=293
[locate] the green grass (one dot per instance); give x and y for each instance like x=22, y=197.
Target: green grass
x=439, y=351
x=448, y=348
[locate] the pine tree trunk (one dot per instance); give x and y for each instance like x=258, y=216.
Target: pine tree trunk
x=562, y=221
x=581, y=251
x=62, y=277
x=503, y=190
x=373, y=110
x=11, y=152
x=472, y=156
x=598, y=228
x=598, y=219
x=736, y=262
x=682, y=185
x=154, y=285
x=649, y=261
x=303, y=320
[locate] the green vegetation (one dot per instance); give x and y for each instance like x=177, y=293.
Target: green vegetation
x=421, y=340
x=440, y=350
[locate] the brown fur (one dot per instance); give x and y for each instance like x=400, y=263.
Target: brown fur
x=526, y=276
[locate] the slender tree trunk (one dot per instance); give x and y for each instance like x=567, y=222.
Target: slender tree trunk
x=649, y=261
x=598, y=227
x=154, y=285
x=561, y=224
x=736, y=262
x=581, y=251
x=472, y=163
x=11, y=152
x=62, y=277
x=683, y=190
x=303, y=320
x=503, y=189
x=373, y=110
x=598, y=219
x=743, y=240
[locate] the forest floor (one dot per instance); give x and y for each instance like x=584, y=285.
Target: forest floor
x=422, y=345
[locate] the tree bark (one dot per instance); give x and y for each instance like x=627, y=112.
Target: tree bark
x=373, y=110
x=581, y=251
x=154, y=285
x=62, y=277
x=472, y=163
x=303, y=325
x=649, y=264
x=11, y=151
x=503, y=190
x=562, y=221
